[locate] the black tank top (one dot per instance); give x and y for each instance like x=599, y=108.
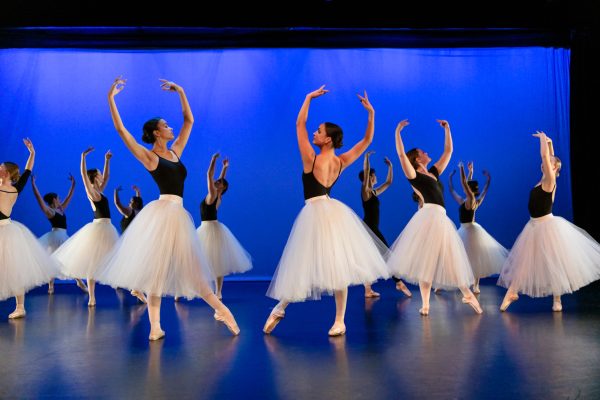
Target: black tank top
x=540, y=202
x=58, y=220
x=431, y=189
x=464, y=215
x=19, y=186
x=125, y=221
x=371, y=209
x=169, y=175
x=102, y=209
x=208, y=212
x=312, y=187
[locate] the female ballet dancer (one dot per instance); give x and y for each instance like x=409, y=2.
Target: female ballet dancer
x=551, y=256
x=24, y=263
x=329, y=248
x=131, y=210
x=486, y=255
x=81, y=255
x=54, y=209
x=370, y=203
x=429, y=250
x=160, y=253
x=225, y=254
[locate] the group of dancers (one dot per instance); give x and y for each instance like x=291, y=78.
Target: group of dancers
x=160, y=252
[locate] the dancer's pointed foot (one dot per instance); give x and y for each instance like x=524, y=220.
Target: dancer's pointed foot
x=472, y=301
x=229, y=321
x=156, y=335
x=82, y=286
x=92, y=303
x=424, y=311
x=476, y=289
x=140, y=296
x=402, y=287
x=274, y=318
x=369, y=294
x=557, y=306
x=508, y=299
x=217, y=317
x=18, y=313
x=338, y=329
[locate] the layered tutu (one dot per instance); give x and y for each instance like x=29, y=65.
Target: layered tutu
x=53, y=239
x=81, y=255
x=159, y=254
x=551, y=257
x=24, y=263
x=329, y=248
x=485, y=254
x=430, y=250
x=224, y=253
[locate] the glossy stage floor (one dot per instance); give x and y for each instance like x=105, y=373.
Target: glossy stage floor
x=62, y=350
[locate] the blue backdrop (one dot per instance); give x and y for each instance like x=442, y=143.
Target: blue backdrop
x=245, y=104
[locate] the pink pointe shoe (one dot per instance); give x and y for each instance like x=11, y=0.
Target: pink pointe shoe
x=229, y=322
x=508, y=299
x=402, y=287
x=472, y=301
x=338, y=329
x=274, y=318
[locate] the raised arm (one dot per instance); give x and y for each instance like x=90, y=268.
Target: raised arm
x=106, y=171
x=188, y=119
x=455, y=195
x=365, y=187
x=485, y=188
x=407, y=168
x=47, y=210
x=67, y=199
x=137, y=191
x=389, y=178
x=31, y=158
x=470, y=169
x=142, y=154
x=549, y=178
x=210, y=180
x=89, y=187
x=306, y=150
x=470, y=202
x=224, y=168
x=442, y=163
x=123, y=209
x=352, y=155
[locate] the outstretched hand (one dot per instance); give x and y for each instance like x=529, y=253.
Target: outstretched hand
x=118, y=188
x=369, y=153
x=87, y=151
x=29, y=145
x=364, y=100
x=117, y=86
x=225, y=162
x=387, y=161
x=108, y=155
x=216, y=155
x=70, y=178
x=470, y=165
x=443, y=123
x=317, y=93
x=169, y=85
x=135, y=188
x=401, y=125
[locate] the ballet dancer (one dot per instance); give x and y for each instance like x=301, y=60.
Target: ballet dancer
x=224, y=252
x=551, y=256
x=129, y=211
x=24, y=263
x=329, y=248
x=81, y=255
x=160, y=253
x=370, y=202
x=429, y=251
x=486, y=255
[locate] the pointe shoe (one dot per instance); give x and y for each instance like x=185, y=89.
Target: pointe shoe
x=17, y=314
x=472, y=301
x=229, y=322
x=140, y=296
x=424, y=311
x=507, y=301
x=82, y=286
x=156, y=336
x=218, y=317
x=476, y=289
x=402, y=287
x=274, y=318
x=92, y=303
x=371, y=294
x=557, y=306
x=338, y=329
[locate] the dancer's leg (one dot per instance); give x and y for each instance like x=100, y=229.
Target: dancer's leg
x=276, y=315
x=222, y=313
x=470, y=299
x=156, y=331
x=341, y=298
x=425, y=288
x=19, y=309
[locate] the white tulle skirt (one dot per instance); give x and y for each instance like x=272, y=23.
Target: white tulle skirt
x=54, y=239
x=430, y=250
x=159, y=254
x=485, y=254
x=551, y=256
x=24, y=263
x=329, y=249
x=81, y=255
x=224, y=252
